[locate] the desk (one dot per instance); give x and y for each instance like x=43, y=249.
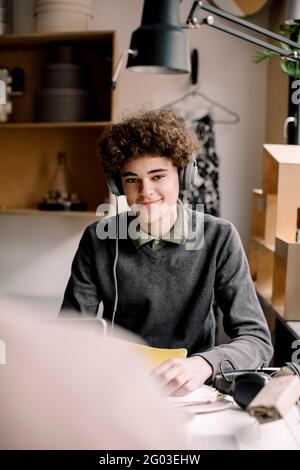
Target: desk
x=248, y=434
x=242, y=431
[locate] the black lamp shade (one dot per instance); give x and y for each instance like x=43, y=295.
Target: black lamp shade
x=160, y=42
x=293, y=12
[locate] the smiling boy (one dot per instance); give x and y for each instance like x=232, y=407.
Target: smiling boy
x=167, y=283
x=151, y=186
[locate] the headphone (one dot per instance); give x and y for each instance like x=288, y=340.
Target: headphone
x=187, y=176
x=244, y=385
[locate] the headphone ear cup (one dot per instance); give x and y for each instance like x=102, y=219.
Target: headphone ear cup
x=114, y=185
x=188, y=175
x=246, y=386
x=181, y=173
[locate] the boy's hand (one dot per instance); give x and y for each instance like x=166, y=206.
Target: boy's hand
x=181, y=376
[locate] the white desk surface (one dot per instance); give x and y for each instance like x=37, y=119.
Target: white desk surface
x=247, y=434
x=234, y=428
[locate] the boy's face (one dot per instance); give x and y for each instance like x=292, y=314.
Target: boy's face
x=151, y=185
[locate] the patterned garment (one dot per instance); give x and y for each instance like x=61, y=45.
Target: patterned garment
x=207, y=190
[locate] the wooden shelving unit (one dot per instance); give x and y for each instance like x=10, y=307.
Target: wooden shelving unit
x=261, y=250
x=264, y=216
x=28, y=151
x=54, y=125
x=273, y=254
x=281, y=177
x=264, y=259
x=286, y=280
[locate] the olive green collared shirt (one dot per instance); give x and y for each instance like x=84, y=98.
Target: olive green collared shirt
x=177, y=234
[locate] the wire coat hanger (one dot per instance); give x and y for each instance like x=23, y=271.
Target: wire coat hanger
x=235, y=117
x=195, y=92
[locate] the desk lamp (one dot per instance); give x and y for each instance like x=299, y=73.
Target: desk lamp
x=160, y=44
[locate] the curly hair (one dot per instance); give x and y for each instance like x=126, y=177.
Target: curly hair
x=157, y=133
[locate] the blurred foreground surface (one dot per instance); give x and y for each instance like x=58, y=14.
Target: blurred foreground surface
x=64, y=386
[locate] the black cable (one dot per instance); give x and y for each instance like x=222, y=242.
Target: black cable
x=221, y=368
x=115, y=269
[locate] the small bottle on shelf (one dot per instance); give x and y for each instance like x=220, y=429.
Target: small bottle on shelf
x=61, y=183
x=61, y=195
x=298, y=226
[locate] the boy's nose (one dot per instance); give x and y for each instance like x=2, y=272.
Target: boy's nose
x=146, y=189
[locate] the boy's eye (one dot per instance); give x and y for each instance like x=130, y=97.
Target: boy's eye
x=158, y=177
x=136, y=180
x=132, y=180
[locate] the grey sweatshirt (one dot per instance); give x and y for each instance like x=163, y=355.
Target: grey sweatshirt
x=166, y=296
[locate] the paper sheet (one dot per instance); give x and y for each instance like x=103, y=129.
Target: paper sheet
x=202, y=400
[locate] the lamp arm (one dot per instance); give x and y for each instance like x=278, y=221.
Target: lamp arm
x=192, y=19
x=123, y=55
x=246, y=37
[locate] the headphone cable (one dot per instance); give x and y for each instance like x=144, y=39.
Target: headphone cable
x=115, y=268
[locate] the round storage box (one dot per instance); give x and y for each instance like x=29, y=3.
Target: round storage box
x=63, y=76
x=61, y=105
x=5, y=16
x=5, y=28
x=63, y=53
x=66, y=15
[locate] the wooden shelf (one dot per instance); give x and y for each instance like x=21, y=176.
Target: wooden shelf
x=36, y=40
x=37, y=212
x=31, y=53
x=281, y=177
x=274, y=217
x=286, y=292
x=261, y=260
x=264, y=216
x=54, y=125
x=262, y=242
x=28, y=162
x=29, y=149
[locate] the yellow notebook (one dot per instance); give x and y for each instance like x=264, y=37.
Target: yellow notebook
x=156, y=356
